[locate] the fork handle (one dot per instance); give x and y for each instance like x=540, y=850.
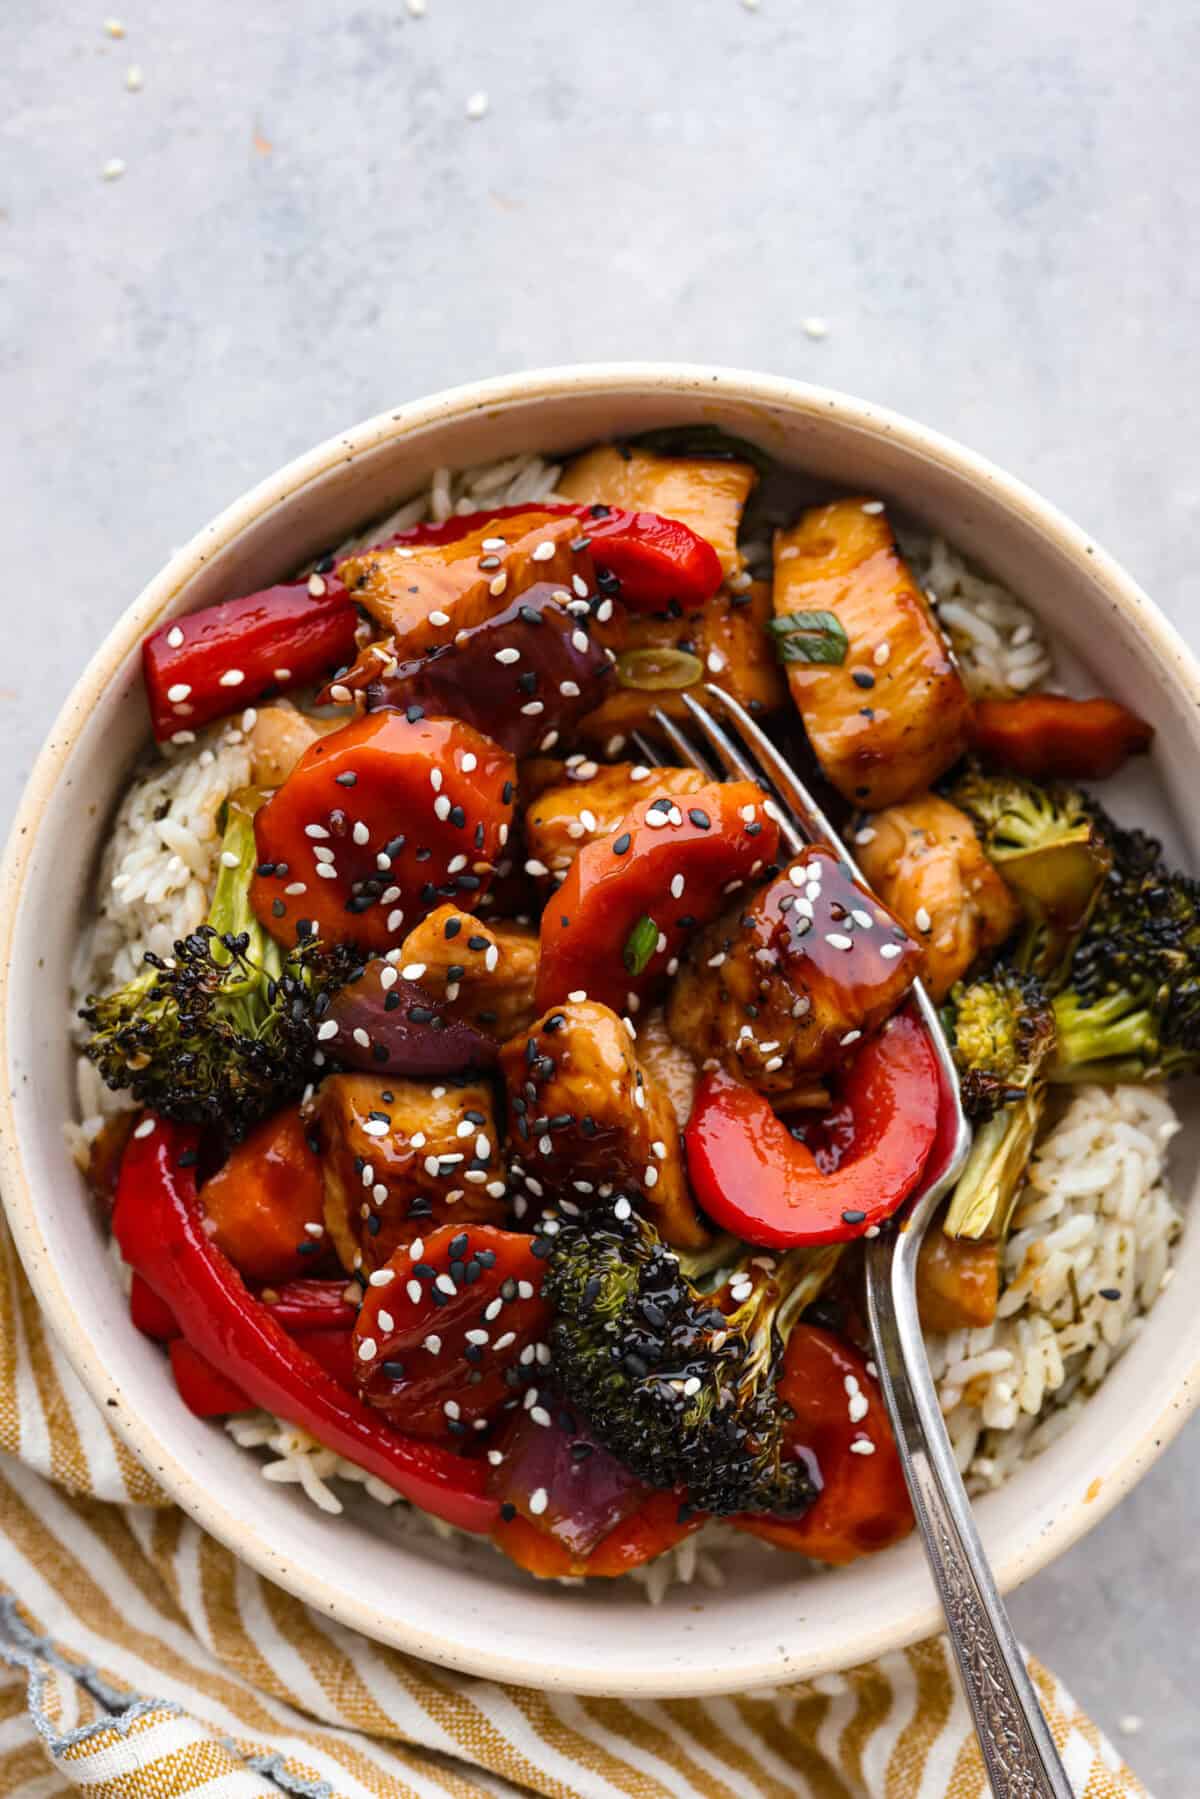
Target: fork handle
x=1018, y=1750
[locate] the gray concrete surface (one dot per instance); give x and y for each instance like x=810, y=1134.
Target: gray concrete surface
x=995, y=208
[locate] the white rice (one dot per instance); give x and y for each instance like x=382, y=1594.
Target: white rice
x=1096, y=1215
x=999, y=642
x=1089, y=1253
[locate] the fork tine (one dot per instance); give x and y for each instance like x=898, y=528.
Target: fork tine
x=735, y=762
x=682, y=745
x=790, y=788
x=798, y=804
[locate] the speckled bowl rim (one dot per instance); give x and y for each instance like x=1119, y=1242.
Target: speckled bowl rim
x=861, y=1638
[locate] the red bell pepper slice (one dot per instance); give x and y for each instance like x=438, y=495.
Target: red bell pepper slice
x=440, y=1361
x=149, y=1314
x=203, y=1389
x=652, y=560
x=863, y=1505
x=632, y=900
x=755, y=1179
x=334, y=1350
x=213, y=662
x=306, y=1306
x=158, y=1225
x=377, y=824
x=1048, y=736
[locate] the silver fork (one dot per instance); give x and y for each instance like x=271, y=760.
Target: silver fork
x=1018, y=1750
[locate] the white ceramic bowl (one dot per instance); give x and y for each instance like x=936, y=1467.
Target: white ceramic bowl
x=771, y=1622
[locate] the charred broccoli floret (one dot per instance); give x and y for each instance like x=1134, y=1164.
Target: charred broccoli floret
x=1131, y=1007
x=1050, y=845
x=682, y=1391
x=1002, y=1028
x=223, y=1031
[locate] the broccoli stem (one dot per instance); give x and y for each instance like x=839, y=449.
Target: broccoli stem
x=1108, y=1030
x=985, y=1197
x=231, y=916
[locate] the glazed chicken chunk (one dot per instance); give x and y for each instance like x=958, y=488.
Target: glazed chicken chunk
x=571, y=813
x=400, y=1158
x=485, y=973
x=423, y=593
x=890, y=713
x=707, y=493
x=779, y=989
x=926, y=863
x=586, y=1118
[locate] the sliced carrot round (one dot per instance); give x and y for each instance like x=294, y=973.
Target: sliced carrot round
x=377, y=824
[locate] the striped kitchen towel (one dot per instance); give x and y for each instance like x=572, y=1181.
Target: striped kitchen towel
x=139, y=1660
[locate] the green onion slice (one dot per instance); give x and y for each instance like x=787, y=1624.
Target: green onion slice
x=809, y=637
x=659, y=670
x=640, y=944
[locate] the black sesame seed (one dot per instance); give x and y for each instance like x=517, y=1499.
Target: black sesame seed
x=414, y=713
x=542, y=1248
x=265, y=869
x=506, y=793
x=309, y=1249
x=452, y=927
x=188, y=1159
x=852, y=1217
x=621, y=846
x=373, y=1225
x=700, y=819
x=458, y=817
x=1110, y=1292
x=278, y=909
x=393, y=1370
x=862, y=677
x=508, y=1512
x=477, y=943
x=349, y=779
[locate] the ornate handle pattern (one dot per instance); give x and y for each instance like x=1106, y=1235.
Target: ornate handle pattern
x=1018, y=1750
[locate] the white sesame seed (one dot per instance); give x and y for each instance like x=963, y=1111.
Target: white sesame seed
x=433, y=1343
x=414, y=1290
x=412, y=971
x=493, y=1311
x=496, y=587
x=175, y=637
x=539, y=1414
x=417, y=1140
x=491, y=957
x=524, y=1291
x=858, y=1408
x=145, y=1128
x=862, y=1446
x=469, y=763
x=581, y=588
x=691, y=1386
x=441, y=807
x=178, y=692
x=113, y=169
x=477, y=105
x=580, y=641
x=814, y=327
x=873, y=506
x=773, y=1065
x=508, y=655
x=326, y=870
x=374, y=1127
x=569, y=689
x=533, y=708
x=322, y=854
x=382, y=1277
x=922, y=920
x=444, y=1284
x=539, y=1499
x=837, y=940
x=677, y=886
x=889, y=951
x=716, y=661
x=543, y=552
x=327, y=1029
x=863, y=918
x=881, y=654
x=366, y=1349
x=866, y=835
x=233, y=677
x=577, y=996
x=360, y=833
x=395, y=919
